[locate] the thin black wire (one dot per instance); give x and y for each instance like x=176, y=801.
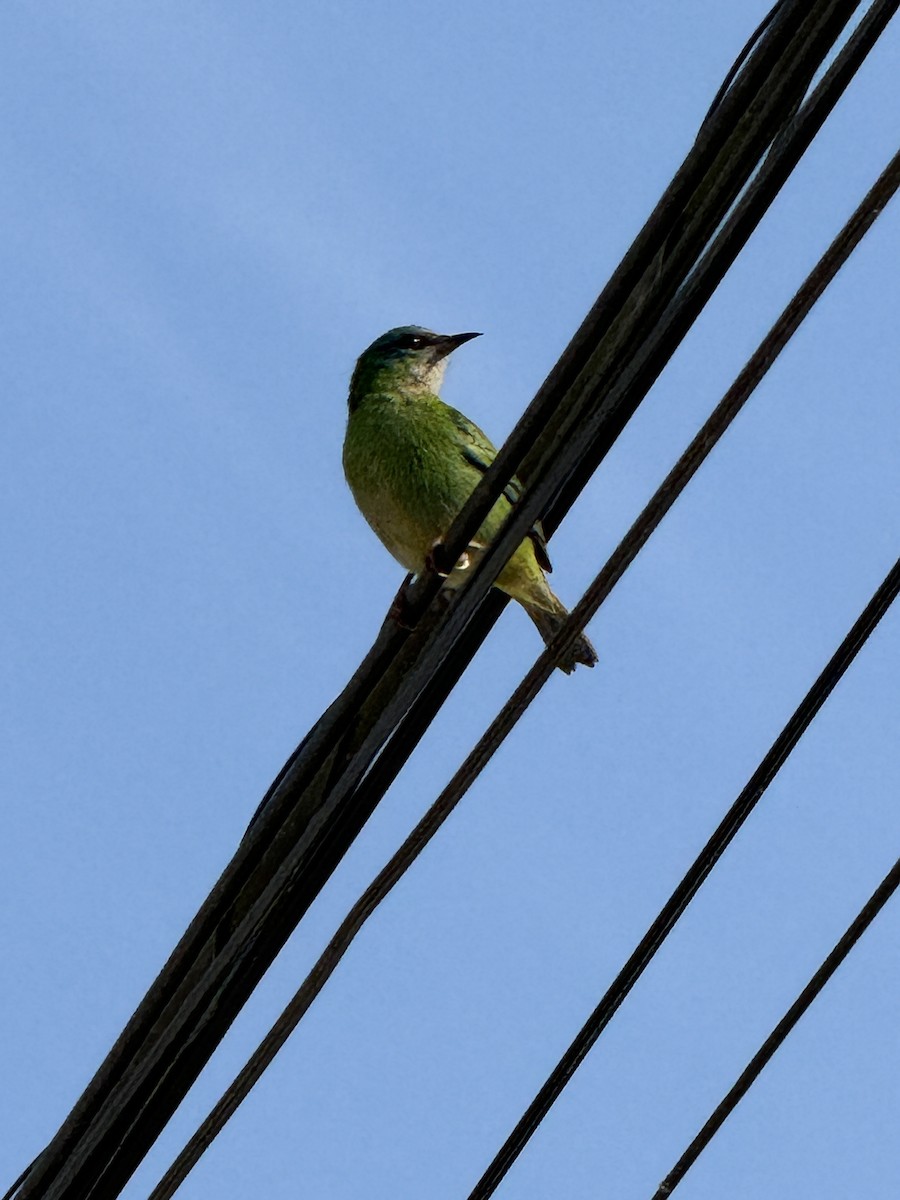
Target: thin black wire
x=740, y=61
x=773, y=1042
x=688, y=887
x=677, y=479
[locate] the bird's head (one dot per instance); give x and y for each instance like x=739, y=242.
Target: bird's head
x=408, y=357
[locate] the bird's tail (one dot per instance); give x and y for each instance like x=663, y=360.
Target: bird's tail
x=549, y=622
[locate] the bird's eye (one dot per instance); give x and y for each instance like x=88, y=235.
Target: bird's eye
x=411, y=341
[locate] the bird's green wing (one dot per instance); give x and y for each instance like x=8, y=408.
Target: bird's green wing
x=478, y=450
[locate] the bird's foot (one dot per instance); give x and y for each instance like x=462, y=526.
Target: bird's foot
x=436, y=560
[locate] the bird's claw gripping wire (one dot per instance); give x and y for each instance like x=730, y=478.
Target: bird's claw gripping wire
x=436, y=560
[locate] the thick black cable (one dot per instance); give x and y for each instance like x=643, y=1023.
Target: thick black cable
x=663, y=499
x=193, y=1000
x=773, y=1042
x=688, y=887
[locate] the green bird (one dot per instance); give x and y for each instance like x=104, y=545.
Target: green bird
x=412, y=461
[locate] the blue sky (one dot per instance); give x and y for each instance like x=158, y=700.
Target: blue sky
x=209, y=211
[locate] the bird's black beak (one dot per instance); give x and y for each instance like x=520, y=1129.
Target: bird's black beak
x=453, y=341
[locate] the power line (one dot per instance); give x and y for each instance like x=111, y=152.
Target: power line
x=317, y=805
x=663, y=499
x=689, y=886
x=773, y=1042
